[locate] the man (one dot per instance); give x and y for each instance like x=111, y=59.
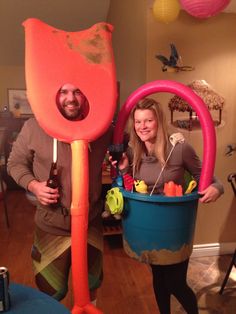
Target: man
x=29, y=164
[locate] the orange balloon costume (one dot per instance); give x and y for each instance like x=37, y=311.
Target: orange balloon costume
x=84, y=59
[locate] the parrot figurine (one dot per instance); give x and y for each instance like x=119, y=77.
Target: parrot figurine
x=174, y=62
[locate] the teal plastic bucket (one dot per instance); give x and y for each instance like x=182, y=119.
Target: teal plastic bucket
x=159, y=229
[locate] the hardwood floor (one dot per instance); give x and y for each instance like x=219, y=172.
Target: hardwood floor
x=127, y=287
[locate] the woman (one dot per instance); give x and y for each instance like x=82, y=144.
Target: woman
x=146, y=159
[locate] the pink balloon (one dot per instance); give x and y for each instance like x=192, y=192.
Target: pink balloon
x=204, y=8
x=208, y=130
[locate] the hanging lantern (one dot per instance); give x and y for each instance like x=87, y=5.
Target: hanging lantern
x=204, y=8
x=166, y=10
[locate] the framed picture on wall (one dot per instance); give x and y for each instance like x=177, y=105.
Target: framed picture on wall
x=17, y=101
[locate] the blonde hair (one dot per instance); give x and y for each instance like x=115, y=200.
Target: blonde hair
x=137, y=146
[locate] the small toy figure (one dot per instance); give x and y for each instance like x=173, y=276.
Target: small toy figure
x=119, y=181
x=172, y=189
x=114, y=203
x=128, y=181
x=191, y=187
x=140, y=186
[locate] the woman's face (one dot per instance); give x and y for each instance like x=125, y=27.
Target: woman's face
x=145, y=125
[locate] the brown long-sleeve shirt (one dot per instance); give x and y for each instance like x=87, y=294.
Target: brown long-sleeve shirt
x=31, y=158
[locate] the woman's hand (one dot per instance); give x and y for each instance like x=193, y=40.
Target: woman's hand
x=43, y=193
x=210, y=194
x=123, y=163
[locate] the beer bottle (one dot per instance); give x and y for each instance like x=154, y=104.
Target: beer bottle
x=53, y=181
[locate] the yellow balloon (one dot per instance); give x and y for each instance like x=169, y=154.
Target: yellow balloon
x=166, y=10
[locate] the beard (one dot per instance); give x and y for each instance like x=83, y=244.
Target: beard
x=71, y=110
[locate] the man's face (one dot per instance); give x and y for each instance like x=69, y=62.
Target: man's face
x=71, y=102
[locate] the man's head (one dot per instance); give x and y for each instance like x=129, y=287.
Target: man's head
x=72, y=103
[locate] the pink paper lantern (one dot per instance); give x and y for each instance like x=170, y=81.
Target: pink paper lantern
x=204, y=8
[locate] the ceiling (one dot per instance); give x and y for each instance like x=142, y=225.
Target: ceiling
x=68, y=15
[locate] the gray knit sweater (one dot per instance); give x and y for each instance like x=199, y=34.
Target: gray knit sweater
x=183, y=158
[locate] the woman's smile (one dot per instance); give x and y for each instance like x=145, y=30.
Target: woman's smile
x=145, y=125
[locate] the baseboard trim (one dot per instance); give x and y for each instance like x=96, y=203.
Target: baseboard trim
x=211, y=249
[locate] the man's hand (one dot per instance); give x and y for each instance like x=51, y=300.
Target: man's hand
x=210, y=194
x=43, y=193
